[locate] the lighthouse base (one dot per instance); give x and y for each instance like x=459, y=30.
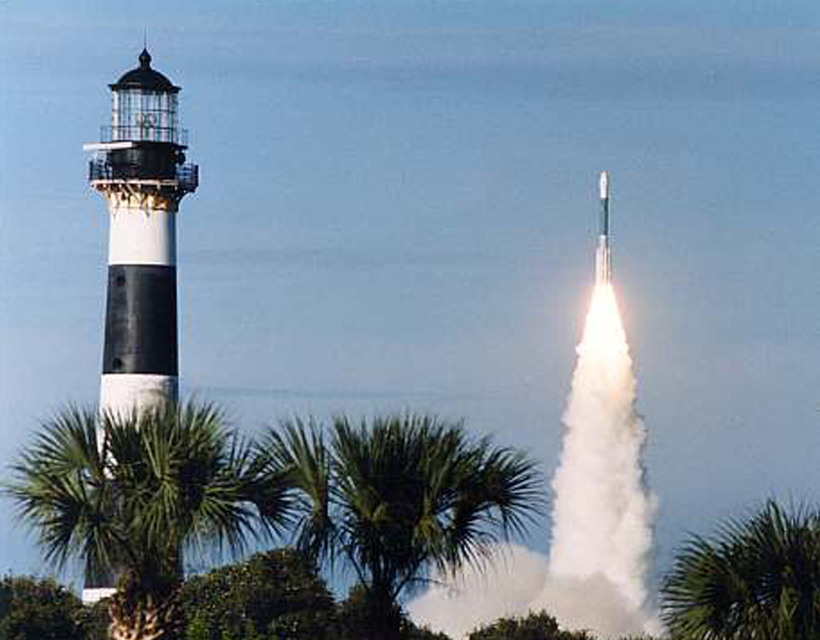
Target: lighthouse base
x=90, y=596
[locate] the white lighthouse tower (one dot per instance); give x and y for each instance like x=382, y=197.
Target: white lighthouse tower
x=139, y=167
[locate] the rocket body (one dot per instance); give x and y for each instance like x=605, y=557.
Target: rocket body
x=603, y=256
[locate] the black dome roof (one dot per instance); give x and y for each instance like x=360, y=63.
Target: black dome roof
x=144, y=77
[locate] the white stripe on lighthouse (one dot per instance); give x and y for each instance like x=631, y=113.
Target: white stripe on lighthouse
x=122, y=392
x=141, y=236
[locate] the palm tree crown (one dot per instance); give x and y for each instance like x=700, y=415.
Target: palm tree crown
x=759, y=580
x=401, y=495
x=130, y=493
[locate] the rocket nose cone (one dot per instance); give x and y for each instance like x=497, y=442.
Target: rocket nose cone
x=604, y=185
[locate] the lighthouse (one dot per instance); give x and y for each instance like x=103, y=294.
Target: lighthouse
x=139, y=167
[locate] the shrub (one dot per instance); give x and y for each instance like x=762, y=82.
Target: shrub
x=536, y=626
x=95, y=620
x=274, y=595
x=355, y=615
x=32, y=608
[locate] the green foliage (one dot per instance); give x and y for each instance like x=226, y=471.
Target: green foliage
x=758, y=579
x=399, y=495
x=197, y=628
x=357, y=612
x=156, y=482
x=536, y=626
x=95, y=620
x=32, y=609
x=274, y=595
x=422, y=633
x=356, y=616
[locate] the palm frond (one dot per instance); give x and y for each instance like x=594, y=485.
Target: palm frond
x=59, y=487
x=758, y=578
x=402, y=493
x=298, y=462
x=131, y=490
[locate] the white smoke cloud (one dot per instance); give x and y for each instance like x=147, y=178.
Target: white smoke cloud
x=593, y=603
x=518, y=582
x=474, y=597
x=602, y=522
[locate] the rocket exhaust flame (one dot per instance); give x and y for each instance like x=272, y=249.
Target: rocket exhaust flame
x=602, y=521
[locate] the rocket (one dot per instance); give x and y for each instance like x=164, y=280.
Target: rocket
x=603, y=257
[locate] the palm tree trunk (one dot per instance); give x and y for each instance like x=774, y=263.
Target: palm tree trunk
x=143, y=620
x=385, y=615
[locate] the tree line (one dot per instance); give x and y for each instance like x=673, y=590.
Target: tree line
x=391, y=499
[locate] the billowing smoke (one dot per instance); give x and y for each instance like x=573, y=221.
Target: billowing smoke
x=504, y=587
x=596, y=574
x=602, y=512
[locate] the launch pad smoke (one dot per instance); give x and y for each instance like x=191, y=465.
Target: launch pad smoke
x=596, y=573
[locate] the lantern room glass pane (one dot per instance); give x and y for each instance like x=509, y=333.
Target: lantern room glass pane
x=140, y=115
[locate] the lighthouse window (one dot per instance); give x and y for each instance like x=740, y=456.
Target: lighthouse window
x=144, y=115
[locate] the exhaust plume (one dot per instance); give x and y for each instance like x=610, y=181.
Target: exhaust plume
x=603, y=513
x=602, y=521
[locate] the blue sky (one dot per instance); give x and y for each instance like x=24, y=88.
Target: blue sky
x=397, y=210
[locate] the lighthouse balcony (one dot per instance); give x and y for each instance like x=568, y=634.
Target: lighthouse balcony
x=188, y=176
x=184, y=177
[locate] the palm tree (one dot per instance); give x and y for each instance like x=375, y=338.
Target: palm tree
x=758, y=580
x=131, y=493
x=400, y=496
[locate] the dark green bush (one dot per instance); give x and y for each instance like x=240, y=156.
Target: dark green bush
x=356, y=615
x=95, y=620
x=536, y=626
x=274, y=595
x=34, y=609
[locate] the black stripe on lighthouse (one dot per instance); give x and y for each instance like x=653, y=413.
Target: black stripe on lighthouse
x=141, y=320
